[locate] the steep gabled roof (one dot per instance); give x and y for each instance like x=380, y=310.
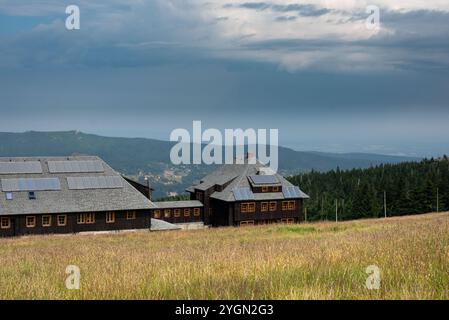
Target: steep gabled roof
x=238, y=176
x=86, y=184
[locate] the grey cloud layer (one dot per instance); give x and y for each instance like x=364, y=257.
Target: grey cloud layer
x=123, y=33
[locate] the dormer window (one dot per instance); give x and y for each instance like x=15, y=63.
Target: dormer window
x=32, y=195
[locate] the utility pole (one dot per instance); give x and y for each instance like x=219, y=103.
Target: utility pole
x=336, y=210
x=385, y=204
x=438, y=200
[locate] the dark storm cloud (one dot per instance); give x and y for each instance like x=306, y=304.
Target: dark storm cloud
x=305, y=10
x=155, y=65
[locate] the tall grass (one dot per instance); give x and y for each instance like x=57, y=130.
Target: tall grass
x=308, y=261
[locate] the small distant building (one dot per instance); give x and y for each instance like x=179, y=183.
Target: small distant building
x=247, y=194
x=45, y=195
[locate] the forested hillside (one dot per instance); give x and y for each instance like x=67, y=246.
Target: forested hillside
x=410, y=188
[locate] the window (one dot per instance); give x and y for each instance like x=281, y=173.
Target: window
x=247, y=223
x=130, y=215
x=30, y=221
x=248, y=207
x=81, y=219
x=288, y=221
x=46, y=221
x=32, y=195
x=167, y=213
x=273, y=206
x=86, y=218
x=8, y=195
x=275, y=189
x=285, y=205
x=62, y=220
x=5, y=223
x=110, y=217
x=196, y=212
x=291, y=205
x=157, y=214
x=186, y=212
x=264, y=189
x=90, y=218
x=177, y=213
x=264, y=207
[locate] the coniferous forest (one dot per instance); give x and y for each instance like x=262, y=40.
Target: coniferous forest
x=408, y=188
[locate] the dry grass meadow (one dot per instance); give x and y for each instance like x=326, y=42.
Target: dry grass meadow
x=308, y=261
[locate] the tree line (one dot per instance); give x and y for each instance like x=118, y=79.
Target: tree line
x=405, y=188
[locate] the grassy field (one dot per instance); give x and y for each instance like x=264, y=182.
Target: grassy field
x=308, y=261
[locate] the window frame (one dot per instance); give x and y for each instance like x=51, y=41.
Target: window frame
x=167, y=213
x=246, y=223
x=46, y=225
x=177, y=213
x=187, y=212
x=275, y=189
x=90, y=219
x=130, y=215
x=244, y=207
x=9, y=196
x=157, y=214
x=291, y=205
x=80, y=218
x=58, y=222
x=285, y=205
x=8, y=219
x=196, y=212
x=264, y=206
x=30, y=225
x=273, y=206
x=85, y=218
x=265, y=189
x=110, y=217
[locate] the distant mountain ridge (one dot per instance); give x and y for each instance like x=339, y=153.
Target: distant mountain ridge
x=137, y=157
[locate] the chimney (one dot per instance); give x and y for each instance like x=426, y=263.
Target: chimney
x=150, y=194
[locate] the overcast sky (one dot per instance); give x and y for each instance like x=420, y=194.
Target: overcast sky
x=309, y=68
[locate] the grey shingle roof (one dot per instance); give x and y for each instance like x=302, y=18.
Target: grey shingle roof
x=66, y=200
x=178, y=204
x=237, y=177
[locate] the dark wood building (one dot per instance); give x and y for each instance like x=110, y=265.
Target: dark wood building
x=67, y=195
x=247, y=194
x=190, y=211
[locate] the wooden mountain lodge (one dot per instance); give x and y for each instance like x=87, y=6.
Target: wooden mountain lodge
x=50, y=195
x=247, y=194
x=67, y=195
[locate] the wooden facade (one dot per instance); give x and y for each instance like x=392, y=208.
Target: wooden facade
x=59, y=195
x=33, y=224
x=231, y=197
x=223, y=213
x=179, y=211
